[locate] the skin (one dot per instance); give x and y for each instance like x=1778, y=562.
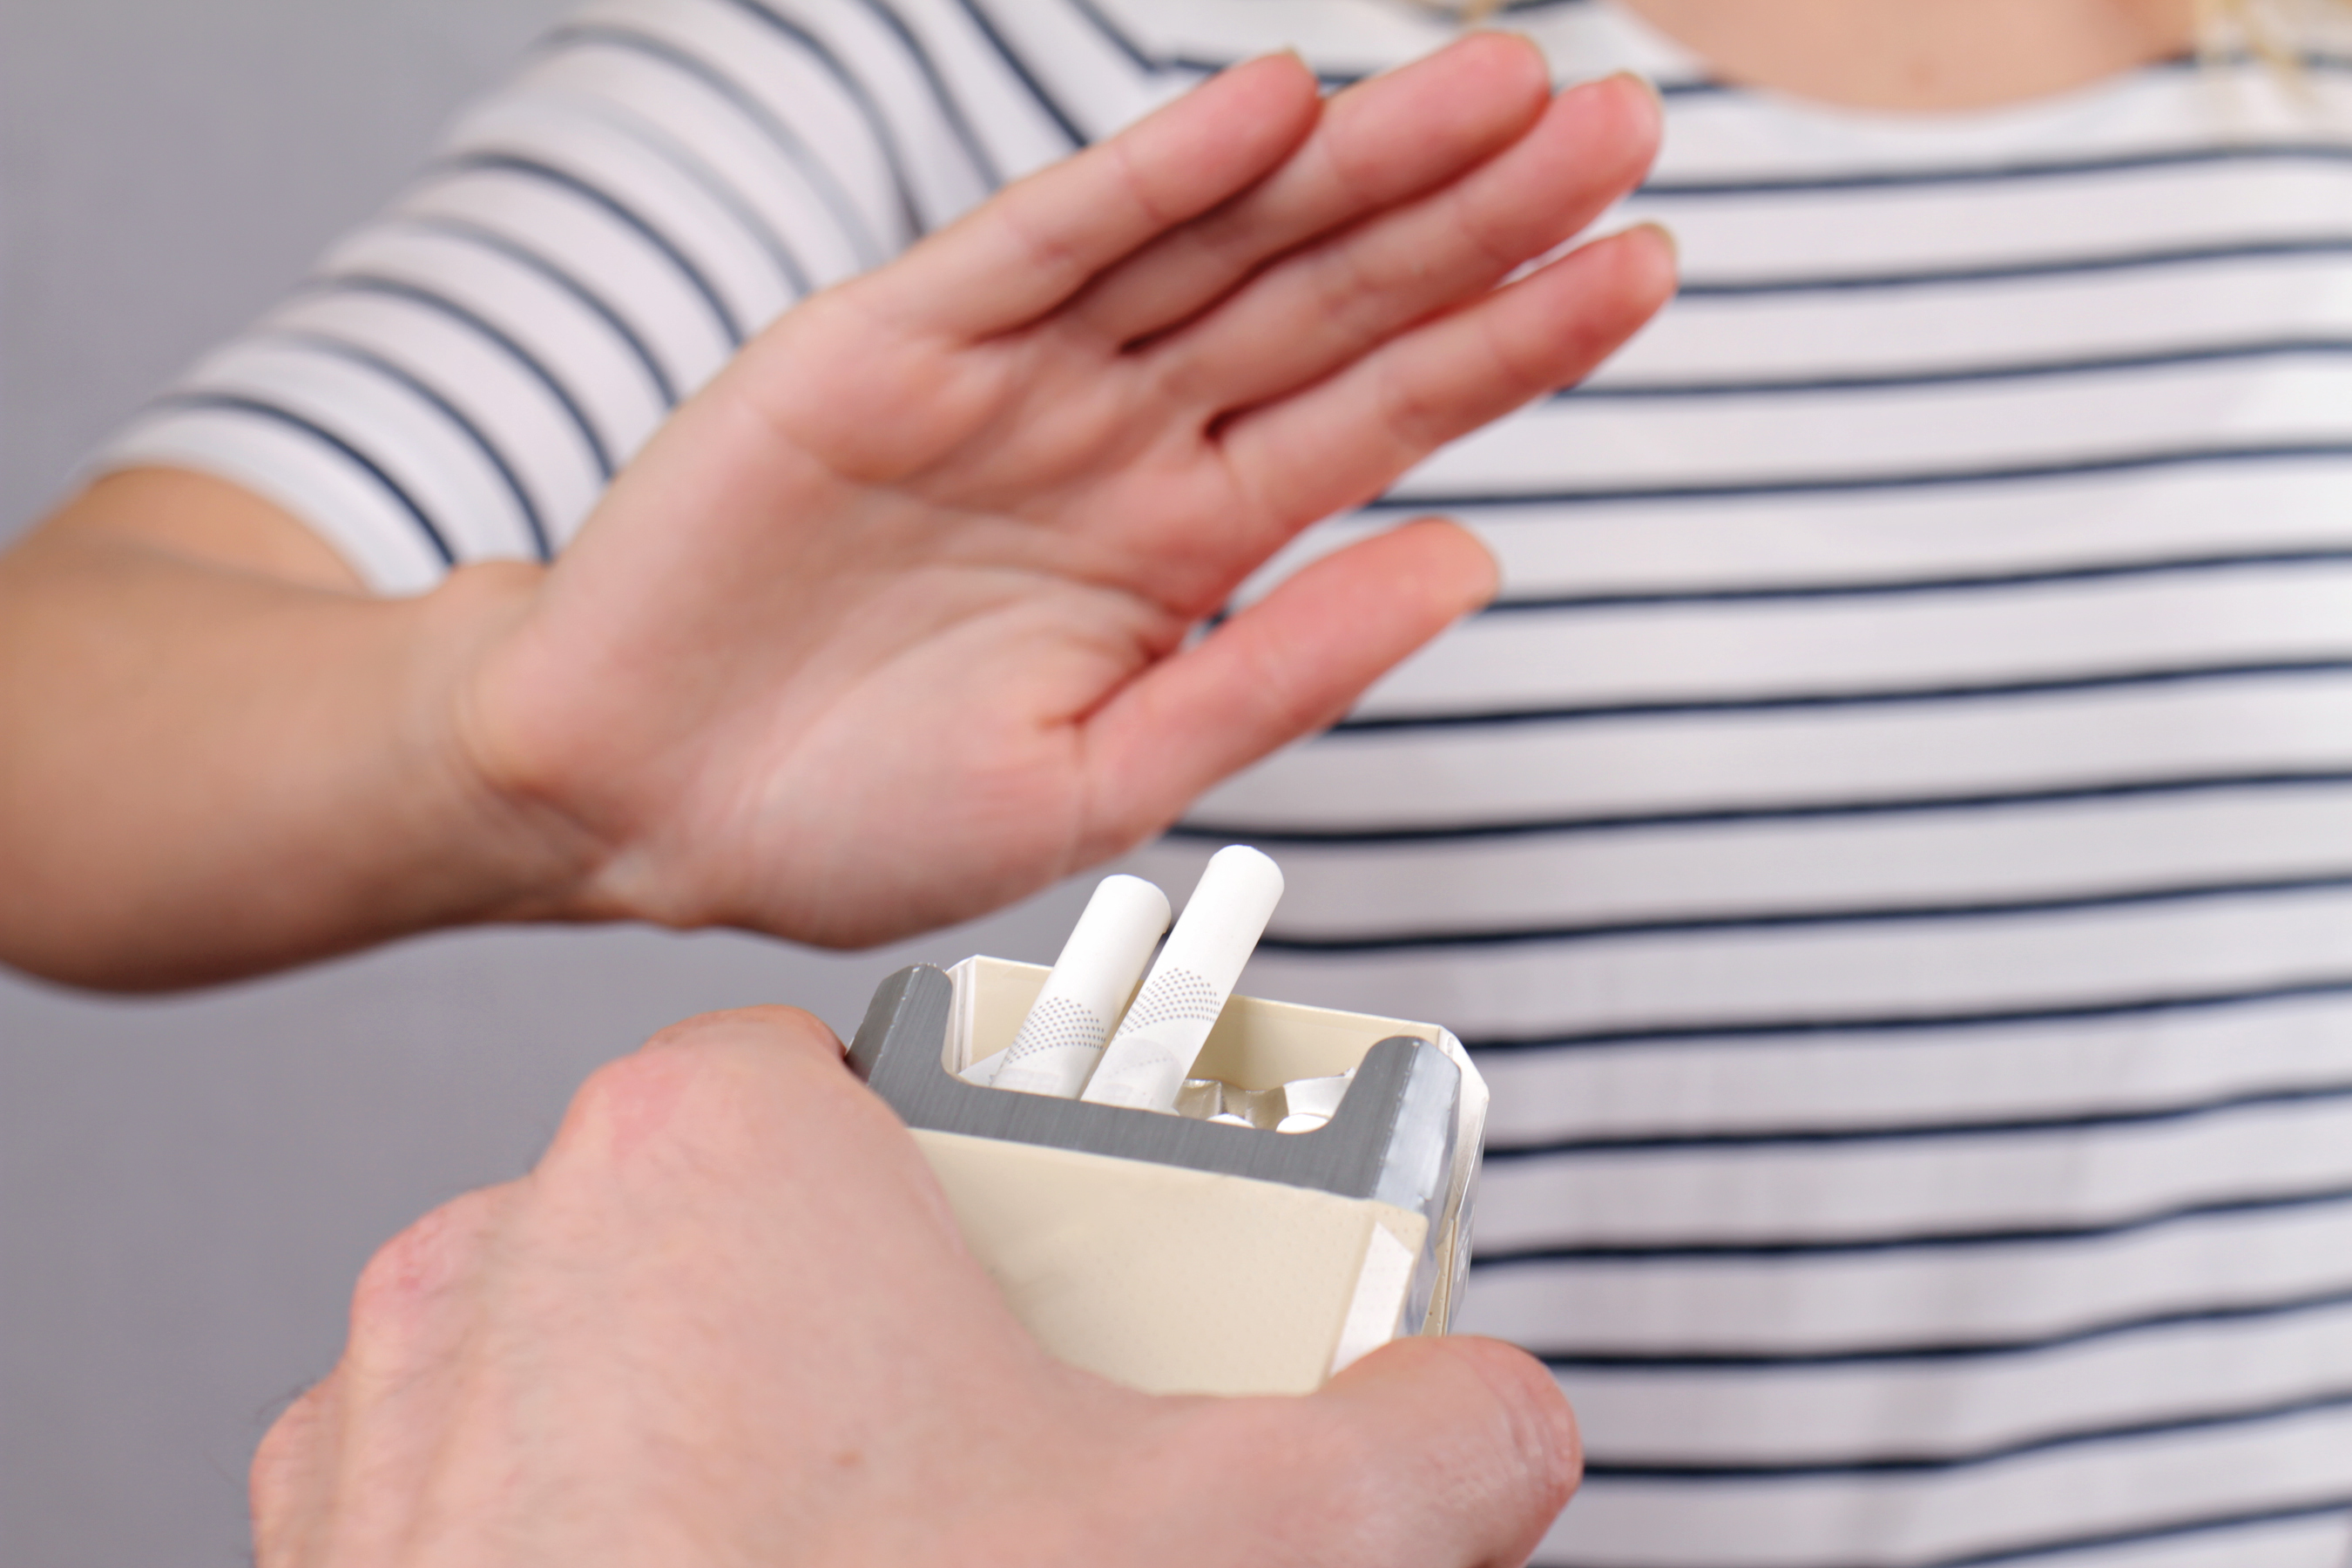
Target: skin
x=886, y=627
x=626, y=1357
x=1924, y=56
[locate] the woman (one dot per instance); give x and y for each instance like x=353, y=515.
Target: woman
x=1891, y=836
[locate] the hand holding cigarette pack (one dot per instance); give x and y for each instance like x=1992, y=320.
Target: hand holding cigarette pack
x=1179, y=1188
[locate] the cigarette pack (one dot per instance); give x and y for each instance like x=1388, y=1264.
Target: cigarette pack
x=1176, y=1254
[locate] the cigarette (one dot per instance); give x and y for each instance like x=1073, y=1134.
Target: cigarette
x=1062, y=1039
x=1310, y=1103
x=1158, y=1041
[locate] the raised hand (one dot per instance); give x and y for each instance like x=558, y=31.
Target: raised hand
x=888, y=627
x=728, y=1321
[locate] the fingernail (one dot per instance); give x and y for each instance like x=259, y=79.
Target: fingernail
x=1543, y=56
x=1673, y=246
x=1645, y=84
x=1287, y=52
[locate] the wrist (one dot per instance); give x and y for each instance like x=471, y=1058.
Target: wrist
x=510, y=843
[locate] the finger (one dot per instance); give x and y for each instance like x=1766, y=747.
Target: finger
x=719, y=1113
x=703, y=1087
x=791, y=1030
x=1382, y=141
x=415, y=1313
x=1289, y=663
x=698, y=1175
x=1042, y=240
x=1460, y=1451
x=292, y=1486
x=1319, y=310
x=1343, y=441
x=415, y=1299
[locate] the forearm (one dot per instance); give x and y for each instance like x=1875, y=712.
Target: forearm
x=885, y=627
x=213, y=769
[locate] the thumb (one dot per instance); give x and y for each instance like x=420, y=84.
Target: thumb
x=1467, y=1448
x=1289, y=663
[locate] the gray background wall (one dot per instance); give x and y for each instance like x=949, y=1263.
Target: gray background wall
x=188, y=1186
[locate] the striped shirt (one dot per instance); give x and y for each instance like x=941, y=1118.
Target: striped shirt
x=1891, y=844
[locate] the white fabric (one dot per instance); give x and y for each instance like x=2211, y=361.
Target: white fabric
x=1893, y=841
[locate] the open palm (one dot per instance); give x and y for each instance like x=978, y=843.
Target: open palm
x=889, y=625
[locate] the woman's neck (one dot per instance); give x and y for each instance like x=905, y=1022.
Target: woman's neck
x=1923, y=55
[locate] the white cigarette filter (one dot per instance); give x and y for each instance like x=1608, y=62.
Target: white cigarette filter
x=1153, y=1054
x=1062, y=1039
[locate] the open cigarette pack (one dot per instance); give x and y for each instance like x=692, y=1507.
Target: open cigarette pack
x=1198, y=1248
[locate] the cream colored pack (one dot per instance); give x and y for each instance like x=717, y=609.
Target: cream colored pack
x=1204, y=1250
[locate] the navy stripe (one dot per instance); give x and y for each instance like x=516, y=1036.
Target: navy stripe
x=2001, y=173
x=2012, y=1127
x=1958, y=583
x=326, y=342
x=886, y=135
x=263, y=409
x=1696, y=87
x=1572, y=1360
x=492, y=240
x=2050, y=1548
x=1795, y=811
x=2173, y=1529
x=1062, y=118
x=1725, y=1031
x=1600, y=1467
x=441, y=304
x=2115, y=680
x=689, y=163
x=1499, y=1256
x=2012, y=271
x=1797, y=920
x=798, y=278
x=563, y=179
x=1607, y=391
x=1116, y=36
x=1847, y=484
x=819, y=175
x=951, y=108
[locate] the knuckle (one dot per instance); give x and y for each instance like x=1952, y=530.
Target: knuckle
x=1139, y=182
x=1357, y=294
x=1412, y=416
x=761, y=1027
x=696, y=1084
x=1498, y=237
x=610, y=1087
x=284, y=1467
x=629, y=1102
x=1523, y=363
x=1046, y=250
x=1356, y=159
x=405, y=1289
